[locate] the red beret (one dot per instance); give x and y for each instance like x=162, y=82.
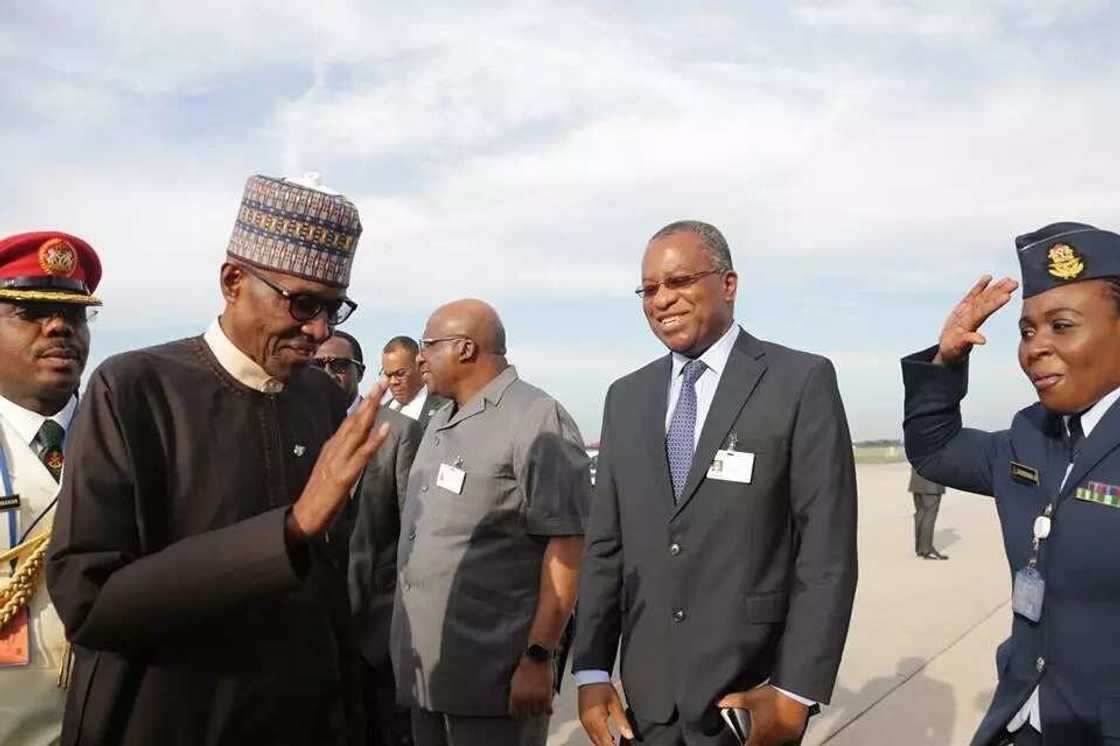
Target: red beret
x=48, y=266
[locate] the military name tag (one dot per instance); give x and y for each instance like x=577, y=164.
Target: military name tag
x=1026, y=596
x=1024, y=473
x=1099, y=492
x=9, y=502
x=451, y=478
x=732, y=466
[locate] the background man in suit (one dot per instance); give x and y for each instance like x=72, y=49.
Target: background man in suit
x=46, y=285
x=927, y=499
x=721, y=546
x=340, y=357
x=408, y=394
x=372, y=520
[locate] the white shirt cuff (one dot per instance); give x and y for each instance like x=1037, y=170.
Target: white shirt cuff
x=796, y=697
x=591, y=676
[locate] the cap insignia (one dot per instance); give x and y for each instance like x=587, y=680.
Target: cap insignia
x=1065, y=263
x=58, y=257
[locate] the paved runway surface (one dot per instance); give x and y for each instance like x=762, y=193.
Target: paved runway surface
x=919, y=664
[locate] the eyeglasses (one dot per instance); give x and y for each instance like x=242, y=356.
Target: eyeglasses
x=307, y=306
x=396, y=374
x=337, y=365
x=73, y=314
x=428, y=343
x=678, y=282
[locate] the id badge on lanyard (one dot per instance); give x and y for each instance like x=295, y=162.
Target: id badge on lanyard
x=1030, y=587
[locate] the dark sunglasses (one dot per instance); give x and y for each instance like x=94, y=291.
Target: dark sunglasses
x=307, y=306
x=39, y=312
x=337, y=365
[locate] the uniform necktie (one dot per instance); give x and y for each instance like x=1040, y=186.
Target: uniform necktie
x=48, y=447
x=1076, y=435
x=680, y=441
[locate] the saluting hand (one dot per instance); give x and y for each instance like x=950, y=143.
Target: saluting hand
x=599, y=705
x=340, y=464
x=959, y=333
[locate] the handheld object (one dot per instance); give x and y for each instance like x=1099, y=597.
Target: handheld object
x=738, y=721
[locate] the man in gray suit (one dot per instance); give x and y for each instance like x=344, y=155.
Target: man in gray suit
x=927, y=500
x=372, y=521
x=407, y=392
x=721, y=547
x=491, y=540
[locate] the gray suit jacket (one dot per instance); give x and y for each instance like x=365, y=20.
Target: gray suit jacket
x=374, y=516
x=738, y=582
x=919, y=485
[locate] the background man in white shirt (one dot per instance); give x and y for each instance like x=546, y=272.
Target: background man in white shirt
x=408, y=395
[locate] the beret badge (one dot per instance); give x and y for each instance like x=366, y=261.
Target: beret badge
x=58, y=257
x=1064, y=262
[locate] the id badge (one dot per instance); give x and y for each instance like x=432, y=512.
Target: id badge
x=1026, y=597
x=732, y=466
x=451, y=478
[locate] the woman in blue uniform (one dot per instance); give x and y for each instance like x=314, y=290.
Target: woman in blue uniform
x=1055, y=477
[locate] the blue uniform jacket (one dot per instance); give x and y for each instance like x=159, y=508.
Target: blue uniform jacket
x=1073, y=652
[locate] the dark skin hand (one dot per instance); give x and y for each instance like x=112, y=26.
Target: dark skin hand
x=600, y=707
x=960, y=332
x=775, y=718
x=340, y=464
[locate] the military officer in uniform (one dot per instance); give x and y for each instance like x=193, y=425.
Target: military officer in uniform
x=46, y=285
x=1055, y=477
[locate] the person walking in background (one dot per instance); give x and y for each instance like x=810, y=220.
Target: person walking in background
x=372, y=521
x=47, y=280
x=407, y=392
x=927, y=499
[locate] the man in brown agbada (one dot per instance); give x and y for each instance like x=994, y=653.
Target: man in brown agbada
x=189, y=561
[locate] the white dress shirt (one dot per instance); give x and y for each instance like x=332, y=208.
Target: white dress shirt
x=239, y=365
x=414, y=408
x=1089, y=419
x=715, y=360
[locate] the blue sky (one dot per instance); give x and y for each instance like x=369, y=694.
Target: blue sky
x=866, y=160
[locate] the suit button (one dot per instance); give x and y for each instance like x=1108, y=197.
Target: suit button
x=674, y=549
x=407, y=587
x=678, y=615
x=1040, y=664
x=412, y=534
x=423, y=488
x=436, y=441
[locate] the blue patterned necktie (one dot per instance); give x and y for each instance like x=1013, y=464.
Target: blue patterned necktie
x=680, y=441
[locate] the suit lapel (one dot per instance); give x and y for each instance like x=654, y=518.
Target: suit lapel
x=655, y=400
x=745, y=367
x=1101, y=442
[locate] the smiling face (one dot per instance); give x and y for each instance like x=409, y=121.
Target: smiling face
x=689, y=319
x=258, y=321
x=41, y=359
x=1070, y=345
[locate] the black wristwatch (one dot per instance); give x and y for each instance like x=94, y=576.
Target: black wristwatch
x=538, y=653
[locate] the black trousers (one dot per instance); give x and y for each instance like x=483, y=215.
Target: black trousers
x=1025, y=736
x=925, y=516
x=673, y=734
x=387, y=724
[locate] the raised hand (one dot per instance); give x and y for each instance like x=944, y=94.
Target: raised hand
x=959, y=333
x=340, y=464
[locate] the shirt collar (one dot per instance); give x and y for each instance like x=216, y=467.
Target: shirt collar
x=1091, y=416
x=715, y=357
x=27, y=423
x=239, y=365
x=354, y=405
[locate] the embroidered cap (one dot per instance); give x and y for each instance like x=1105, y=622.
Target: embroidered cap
x=49, y=267
x=296, y=227
x=1061, y=253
